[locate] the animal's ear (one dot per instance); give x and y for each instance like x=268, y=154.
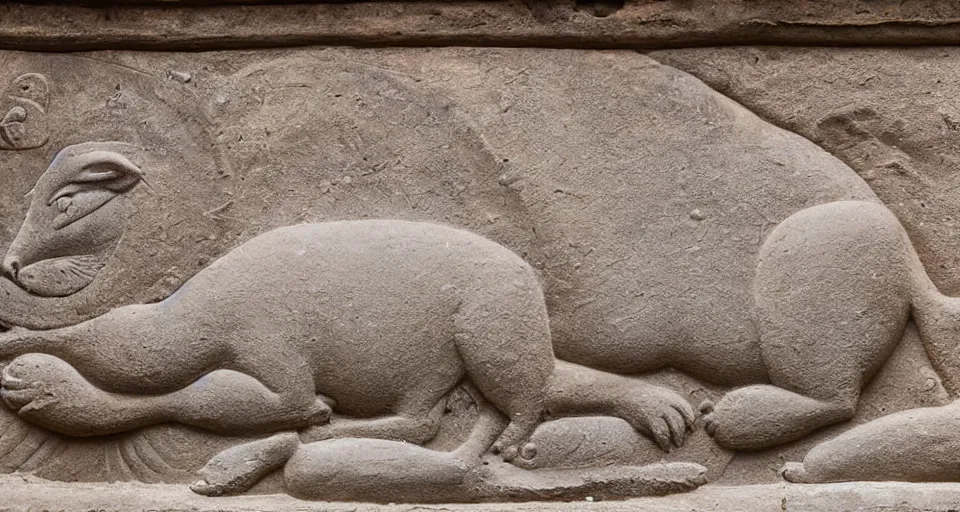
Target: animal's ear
x=108, y=170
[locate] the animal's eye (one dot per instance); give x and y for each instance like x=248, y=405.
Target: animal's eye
x=63, y=203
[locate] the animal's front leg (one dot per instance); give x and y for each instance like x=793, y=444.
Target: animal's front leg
x=48, y=392
x=660, y=413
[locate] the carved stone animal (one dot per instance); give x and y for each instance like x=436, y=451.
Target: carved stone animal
x=377, y=320
x=381, y=317
x=833, y=288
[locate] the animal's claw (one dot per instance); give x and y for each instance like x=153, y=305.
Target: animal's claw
x=509, y=453
x=528, y=451
x=678, y=427
x=795, y=472
x=660, y=432
x=12, y=383
x=709, y=424
x=204, y=488
x=685, y=410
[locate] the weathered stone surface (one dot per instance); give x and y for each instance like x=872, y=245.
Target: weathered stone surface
x=599, y=24
x=33, y=494
x=884, y=113
x=470, y=275
x=885, y=116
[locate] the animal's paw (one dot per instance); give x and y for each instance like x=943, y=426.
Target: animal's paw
x=29, y=384
x=796, y=472
x=237, y=469
x=514, y=441
x=659, y=413
x=706, y=411
x=510, y=453
x=737, y=422
x=719, y=424
x=48, y=392
x=320, y=412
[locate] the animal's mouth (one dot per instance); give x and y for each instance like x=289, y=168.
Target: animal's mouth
x=59, y=277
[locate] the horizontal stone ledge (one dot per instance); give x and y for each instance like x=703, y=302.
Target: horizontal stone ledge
x=23, y=494
x=201, y=25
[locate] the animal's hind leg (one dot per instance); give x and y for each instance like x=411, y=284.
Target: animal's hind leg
x=916, y=445
x=504, y=341
x=830, y=305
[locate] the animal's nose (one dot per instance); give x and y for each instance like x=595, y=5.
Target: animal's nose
x=11, y=267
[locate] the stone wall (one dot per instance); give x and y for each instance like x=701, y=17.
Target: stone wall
x=456, y=252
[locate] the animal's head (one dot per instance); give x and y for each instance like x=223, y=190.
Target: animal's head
x=75, y=219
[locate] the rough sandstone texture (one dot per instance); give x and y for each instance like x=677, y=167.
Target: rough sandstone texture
x=31, y=494
x=886, y=115
x=724, y=234
x=599, y=24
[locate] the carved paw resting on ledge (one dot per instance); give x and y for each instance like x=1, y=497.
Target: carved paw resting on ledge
x=660, y=413
x=755, y=417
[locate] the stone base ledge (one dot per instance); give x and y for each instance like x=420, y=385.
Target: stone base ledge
x=27, y=494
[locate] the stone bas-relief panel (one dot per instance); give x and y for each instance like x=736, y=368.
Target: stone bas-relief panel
x=461, y=275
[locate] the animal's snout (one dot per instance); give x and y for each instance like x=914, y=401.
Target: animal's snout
x=11, y=267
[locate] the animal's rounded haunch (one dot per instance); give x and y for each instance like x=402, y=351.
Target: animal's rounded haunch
x=75, y=220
